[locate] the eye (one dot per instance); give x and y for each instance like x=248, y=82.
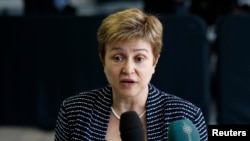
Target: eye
x=118, y=58
x=140, y=59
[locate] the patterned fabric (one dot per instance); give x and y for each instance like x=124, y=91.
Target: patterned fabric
x=86, y=116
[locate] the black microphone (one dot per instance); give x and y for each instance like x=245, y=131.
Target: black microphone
x=131, y=128
x=183, y=130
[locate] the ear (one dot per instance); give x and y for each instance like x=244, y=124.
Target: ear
x=101, y=59
x=156, y=60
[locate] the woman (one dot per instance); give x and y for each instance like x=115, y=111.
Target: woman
x=130, y=43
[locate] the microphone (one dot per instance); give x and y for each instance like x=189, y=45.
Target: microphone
x=183, y=130
x=131, y=128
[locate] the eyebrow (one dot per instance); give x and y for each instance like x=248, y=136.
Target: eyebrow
x=135, y=50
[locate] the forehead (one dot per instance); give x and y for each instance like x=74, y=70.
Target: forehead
x=132, y=45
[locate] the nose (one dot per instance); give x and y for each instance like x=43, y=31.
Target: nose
x=128, y=67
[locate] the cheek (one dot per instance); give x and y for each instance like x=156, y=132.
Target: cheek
x=149, y=71
x=110, y=70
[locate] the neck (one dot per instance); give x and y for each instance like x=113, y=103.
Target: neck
x=118, y=116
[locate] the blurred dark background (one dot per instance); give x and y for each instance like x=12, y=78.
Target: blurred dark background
x=49, y=52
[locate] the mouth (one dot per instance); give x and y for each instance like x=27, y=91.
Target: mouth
x=128, y=81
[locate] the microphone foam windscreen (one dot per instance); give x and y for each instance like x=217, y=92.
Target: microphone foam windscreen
x=131, y=128
x=183, y=130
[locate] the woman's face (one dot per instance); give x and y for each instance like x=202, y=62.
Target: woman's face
x=129, y=67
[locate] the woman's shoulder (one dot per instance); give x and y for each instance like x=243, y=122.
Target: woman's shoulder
x=176, y=100
x=178, y=107
x=89, y=96
x=172, y=100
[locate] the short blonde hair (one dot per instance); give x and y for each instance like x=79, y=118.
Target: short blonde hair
x=127, y=25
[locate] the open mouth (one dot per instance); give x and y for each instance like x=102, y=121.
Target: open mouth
x=128, y=81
